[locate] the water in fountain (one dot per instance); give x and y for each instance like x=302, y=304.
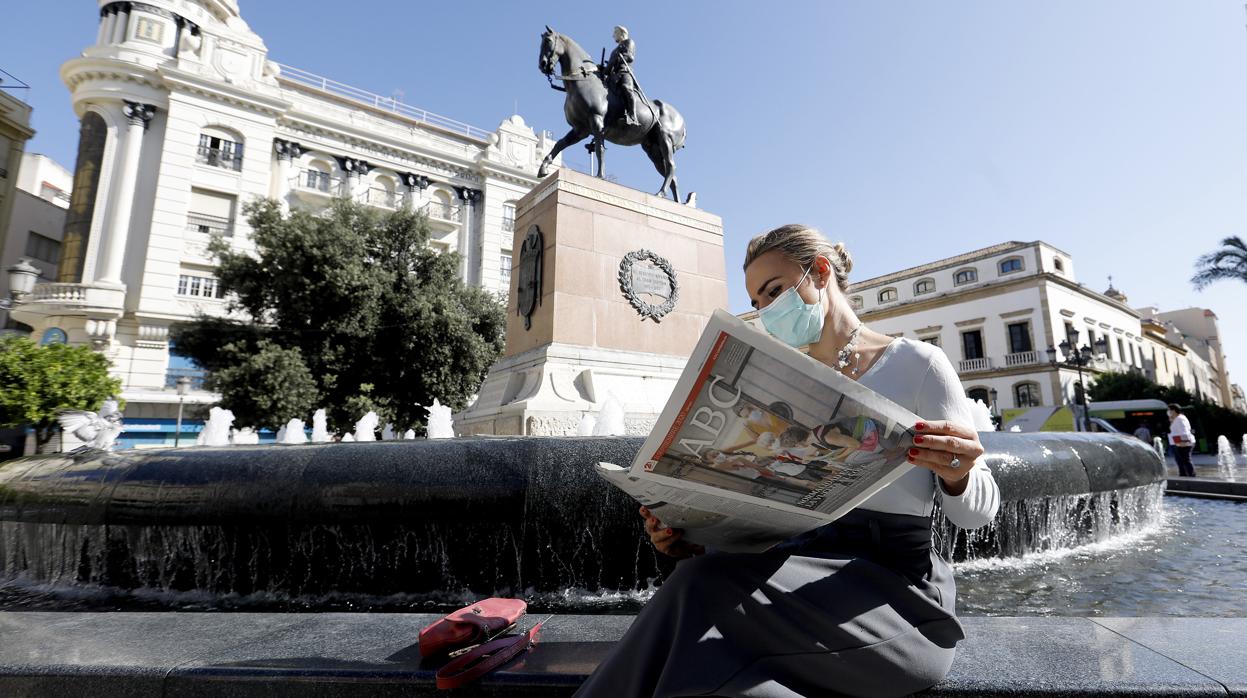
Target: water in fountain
x=244, y=437
x=1158, y=445
x=347, y=437
x=409, y=435
x=1226, y=462
x=610, y=419
x=387, y=433
x=586, y=426
x=320, y=427
x=366, y=427
x=281, y=434
x=216, y=430
x=440, y=426
x=295, y=433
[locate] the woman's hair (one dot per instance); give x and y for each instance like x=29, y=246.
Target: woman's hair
x=802, y=245
x=1174, y=407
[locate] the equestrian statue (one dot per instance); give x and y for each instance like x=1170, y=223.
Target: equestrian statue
x=605, y=103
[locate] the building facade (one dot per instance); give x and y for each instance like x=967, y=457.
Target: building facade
x=1002, y=312
x=37, y=222
x=15, y=130
x=184, y=119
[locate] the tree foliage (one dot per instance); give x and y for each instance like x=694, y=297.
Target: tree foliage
x=376, y=319
x=38, y=381
x=1227, y=262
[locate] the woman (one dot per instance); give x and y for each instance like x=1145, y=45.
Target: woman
x=862, y=606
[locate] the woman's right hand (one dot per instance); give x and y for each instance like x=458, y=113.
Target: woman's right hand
x=668, y=541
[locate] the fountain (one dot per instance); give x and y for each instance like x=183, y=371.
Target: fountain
x=610, y=421
x=216, y=431
x=347, y=437
x=295, y=433
x=409, y=435
x=366, y=427
x=320, y=428
x=1226, y=462
x=440, y=425
x=244, y=437
x=1158, y=445
x=387, y=433
x=587, y=424
x=441, y=517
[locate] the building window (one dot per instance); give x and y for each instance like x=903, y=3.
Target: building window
x=1020, y=337
x=508, y=218
x=199, y=287
x=980, y=394
x=220, y=152
x=317, y=179
x=856, y=302
x=1058, y=264
x=43, y=248
x=1010, y=265
x=972, y=344
x=1132, y=360
x=965, y=276
x=933, y=340
x=210, y=213
x=179, y=366
x=504, y=265
x=922, y=286
x=1026, y=395
x=1069, y=335
x=887, y=295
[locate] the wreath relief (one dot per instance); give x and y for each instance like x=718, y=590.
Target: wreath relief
x=636, y=280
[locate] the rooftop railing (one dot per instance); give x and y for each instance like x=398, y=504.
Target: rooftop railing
x=376, y=101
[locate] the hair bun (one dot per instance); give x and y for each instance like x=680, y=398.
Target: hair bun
x=846, y=259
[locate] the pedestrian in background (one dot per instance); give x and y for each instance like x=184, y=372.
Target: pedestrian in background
x=1182, y=439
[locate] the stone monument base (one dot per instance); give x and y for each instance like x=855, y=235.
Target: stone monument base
x=548, y=390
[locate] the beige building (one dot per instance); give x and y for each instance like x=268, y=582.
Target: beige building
x=37, y=222
x=15, y=130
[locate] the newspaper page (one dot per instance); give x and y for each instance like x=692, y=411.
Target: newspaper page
x=759, y=442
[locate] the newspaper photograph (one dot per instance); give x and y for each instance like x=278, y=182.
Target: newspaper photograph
x=766, y=439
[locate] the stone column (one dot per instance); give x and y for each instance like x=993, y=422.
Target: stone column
x=125, y=174
x=121, y=22
x=467, y=196
x=287, y=152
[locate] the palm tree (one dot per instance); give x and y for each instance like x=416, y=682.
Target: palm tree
x=1229, y=262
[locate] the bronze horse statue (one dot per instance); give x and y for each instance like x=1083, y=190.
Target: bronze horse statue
x=593, y=111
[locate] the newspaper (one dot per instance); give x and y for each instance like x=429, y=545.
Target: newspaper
x=759, y=442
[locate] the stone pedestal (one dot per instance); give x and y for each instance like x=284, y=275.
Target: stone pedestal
x=588, y=340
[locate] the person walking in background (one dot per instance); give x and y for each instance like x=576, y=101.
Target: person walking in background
x=1182, y=439
x=1142, y=433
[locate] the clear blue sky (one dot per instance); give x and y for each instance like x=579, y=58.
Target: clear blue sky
x=1114, y=130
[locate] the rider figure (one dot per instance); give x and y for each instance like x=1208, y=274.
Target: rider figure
x=619, y=74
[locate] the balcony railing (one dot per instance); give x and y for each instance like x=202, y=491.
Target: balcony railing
x=211, y=225
x=378, y=196
x=972, y=365
x=59, y=293
x=216, y=157
x=440, y=211
x=1022, y=358
x=196, y=375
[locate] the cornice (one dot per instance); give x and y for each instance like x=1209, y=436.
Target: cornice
x=223, y=91
x=77, y=71
x=349, y=138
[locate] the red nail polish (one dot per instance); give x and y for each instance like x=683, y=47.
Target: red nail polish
x=920, y=426
x=913, y=452
x=918, y=439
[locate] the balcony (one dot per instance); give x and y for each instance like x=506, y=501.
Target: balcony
x=59, y=293
x=51, y=299
x=219, y=157
x=442, y=212
x=974, y=365
x=210, y=225
x=1021, y=358
x=318, y=187
x=384, y=198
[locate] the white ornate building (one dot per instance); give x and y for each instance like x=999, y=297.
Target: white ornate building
x=183, y=120
x=997, y=311
x=37, y=222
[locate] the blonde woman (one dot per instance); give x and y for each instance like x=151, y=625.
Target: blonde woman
x=859, y=607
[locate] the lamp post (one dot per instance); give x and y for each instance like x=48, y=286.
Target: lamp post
x=995, y=409
x=22, y=278
x=1078, y=359
x=183, y=387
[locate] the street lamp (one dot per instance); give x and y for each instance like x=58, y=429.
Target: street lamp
x=22, y=278
x=1077, y=358
x=995, y=409
x=183, y=387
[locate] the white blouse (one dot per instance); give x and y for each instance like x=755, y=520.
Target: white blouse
x=919, y=377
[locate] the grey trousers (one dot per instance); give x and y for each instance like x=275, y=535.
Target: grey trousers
x=782, y=624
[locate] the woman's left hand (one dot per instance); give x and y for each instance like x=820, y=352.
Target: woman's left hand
x=947, y=449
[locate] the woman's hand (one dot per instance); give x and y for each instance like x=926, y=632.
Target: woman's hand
x=668, y=541
x=947, y=449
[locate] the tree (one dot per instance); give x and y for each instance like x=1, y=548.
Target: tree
x=38, y=381
x=378, y=319
x=1228, y=262
x=264, y=383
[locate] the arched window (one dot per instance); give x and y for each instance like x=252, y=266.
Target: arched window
x=381, y=193
x=441, y=206
x=1027, y=394
x=980, y=393
x=220, y=148
x=922, y=286
x=317, y=176
x=856, y=302
x=887, y=295
x=966, y=276
x=1058, y=264
x=1010, y=265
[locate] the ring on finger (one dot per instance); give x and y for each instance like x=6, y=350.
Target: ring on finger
x=955, y=463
